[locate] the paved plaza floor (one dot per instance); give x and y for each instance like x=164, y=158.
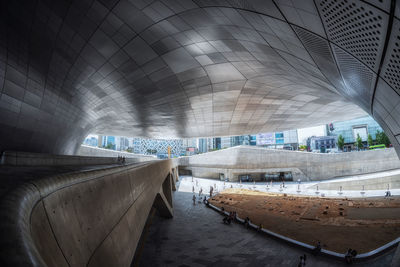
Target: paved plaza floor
x=196, y=236
x=304, y=188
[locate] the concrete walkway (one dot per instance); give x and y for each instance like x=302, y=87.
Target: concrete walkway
x=196, y=236
x=305, y=188
x=13, y=176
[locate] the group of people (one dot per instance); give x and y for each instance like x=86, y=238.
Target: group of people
x=201, y=190
x=201, y=199
x=121, y=159
x=350, y=255
x=232, y=217
x=229, y=218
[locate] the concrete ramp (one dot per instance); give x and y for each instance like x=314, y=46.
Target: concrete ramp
x=92, y=218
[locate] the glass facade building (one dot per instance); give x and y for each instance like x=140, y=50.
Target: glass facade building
x=350, y=129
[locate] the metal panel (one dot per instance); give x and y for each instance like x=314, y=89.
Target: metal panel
x=358, y=28
x=359, y=80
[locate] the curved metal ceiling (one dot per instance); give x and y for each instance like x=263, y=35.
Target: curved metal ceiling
x=190, y=68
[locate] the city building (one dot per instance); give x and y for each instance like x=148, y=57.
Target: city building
x=190, y=146
x=90, y=141
x=349, y=130
x=202, y=145
x=322, y=144
x=278, y=140
x=159, y=147
x=225, y=142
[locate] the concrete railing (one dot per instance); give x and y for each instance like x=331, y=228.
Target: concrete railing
x=90, y=151
x=14, y=158
x=91, y=218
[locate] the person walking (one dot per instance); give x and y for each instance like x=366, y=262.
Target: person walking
x=300, y=262
x=194, y=199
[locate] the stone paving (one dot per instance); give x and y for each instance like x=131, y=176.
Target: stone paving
x=196, y=236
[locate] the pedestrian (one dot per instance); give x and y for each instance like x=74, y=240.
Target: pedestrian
x=211, y=191
x=192, y=189
x=246, y=222
x=200, y=191
x=350, y=255
x=300, y=262
x=194, y=199
x=317, y=248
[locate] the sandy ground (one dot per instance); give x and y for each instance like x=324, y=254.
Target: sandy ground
x=338, y=223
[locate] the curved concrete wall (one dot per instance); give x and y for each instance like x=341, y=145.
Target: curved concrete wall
x=15, y=158
x=93, y=218
x=314, y=166
x=89, y=151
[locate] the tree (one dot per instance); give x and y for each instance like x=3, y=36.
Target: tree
x=340, y=142
x=370, y=141
x=359, y=143
x=381, y=138
x=109, y=146
x=302, y=147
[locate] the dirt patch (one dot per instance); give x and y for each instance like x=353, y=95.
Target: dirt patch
x=338, y=223
x=374, y=213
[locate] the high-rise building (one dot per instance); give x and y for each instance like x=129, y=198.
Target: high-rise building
x=211, y=144
x=91, y=141
x=253, y=140
x=202, y=145
x=225, y=142
x=158, y=147
x=285, y=140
